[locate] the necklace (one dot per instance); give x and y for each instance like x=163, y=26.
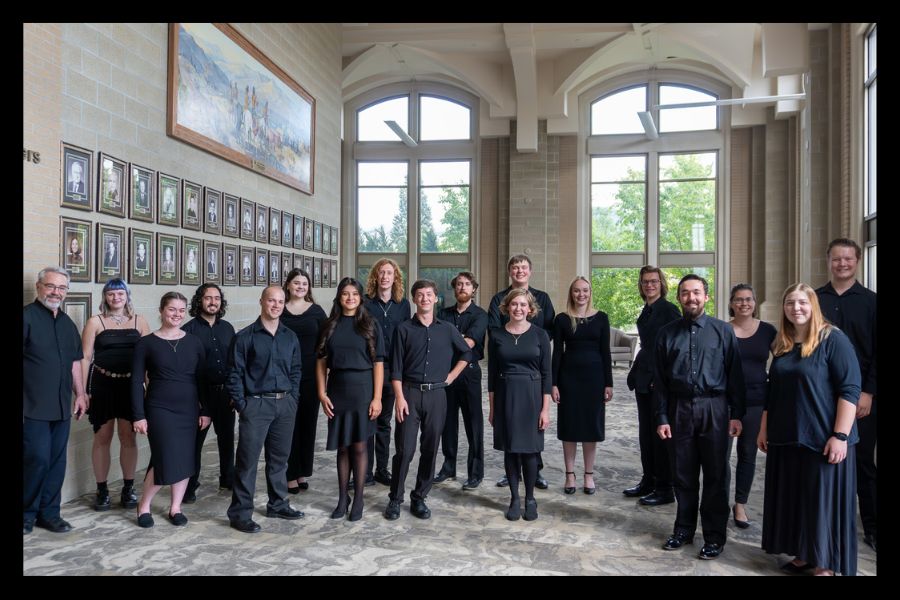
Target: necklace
x=388, y=309
x=516, y=337
x=174, y=347
x=118, y=319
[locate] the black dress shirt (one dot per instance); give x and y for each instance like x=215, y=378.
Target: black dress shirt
x=803, y=393
x=388, y=315
x=854, y=313
x=49, y=347
x=216, y=340
x=421, y=354
x=262, y=363
x=347, y=350
x=544, y=318
x=652, y=318
x=472, y=323
x=698, y=358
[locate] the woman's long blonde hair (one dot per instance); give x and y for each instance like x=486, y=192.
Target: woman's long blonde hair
x=819, y=328
x=570, y=306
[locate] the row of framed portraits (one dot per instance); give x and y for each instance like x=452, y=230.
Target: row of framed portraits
x=145, y=257
x=148, y=195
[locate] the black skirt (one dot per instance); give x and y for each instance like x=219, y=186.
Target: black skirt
x=350, y=392
x=110, y=398
x=517, y=409
x=810, y=508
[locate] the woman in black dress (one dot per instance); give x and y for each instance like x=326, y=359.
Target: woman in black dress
x=582, y=380
x=171, y=409
x=302, y=316
x=351, y=359
x=755, y=339
x=108, y=342
x=655, y=486
x=809, y=431
x=519, y=386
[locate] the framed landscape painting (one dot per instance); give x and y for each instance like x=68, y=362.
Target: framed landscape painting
x=228, y=98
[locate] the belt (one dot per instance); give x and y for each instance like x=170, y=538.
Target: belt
x=110, y=374
x=217, y=386
x=275, y=395
x=425, y=387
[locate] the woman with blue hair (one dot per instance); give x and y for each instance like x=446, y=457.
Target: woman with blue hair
x=108, y=343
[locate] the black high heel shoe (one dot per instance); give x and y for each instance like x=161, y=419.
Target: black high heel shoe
x=590, y=491
x=341, y=510
x=740, y=524
x=569, y=490
x=357, y=512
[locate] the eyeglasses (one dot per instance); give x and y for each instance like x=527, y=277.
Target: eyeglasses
x=650, y=282
x=743, y=301
x=56, y=288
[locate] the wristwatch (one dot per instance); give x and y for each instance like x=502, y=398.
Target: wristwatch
x=840, y=436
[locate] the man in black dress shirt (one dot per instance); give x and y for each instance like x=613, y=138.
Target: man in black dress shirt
x=519, y=269
x=386, y=304
x=851, y=307
x=208, y=307
x=264, y=384
x=465, y=393
x=699, y=387
x=423, y=351
x=51, y=366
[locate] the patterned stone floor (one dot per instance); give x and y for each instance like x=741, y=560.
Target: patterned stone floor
x=606, y=533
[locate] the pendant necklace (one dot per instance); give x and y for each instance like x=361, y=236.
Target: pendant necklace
x=175, y=346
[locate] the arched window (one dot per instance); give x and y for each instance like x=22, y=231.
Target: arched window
x=432, y=160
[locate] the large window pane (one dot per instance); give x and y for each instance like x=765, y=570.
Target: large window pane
x=442, y=277
x=872, y=147
x=371, y=120
x=871, y=266
x=687, y=202
x=391, y=174
x=685, y=119
x=444, y=208
x=618, y=203
x=674, y=275
x=615, y=292
x=433, y=173
x=382, y=210
x=617, y=113
x=444, y=120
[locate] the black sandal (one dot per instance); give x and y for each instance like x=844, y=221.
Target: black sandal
x=590, y=491
x=569, y=490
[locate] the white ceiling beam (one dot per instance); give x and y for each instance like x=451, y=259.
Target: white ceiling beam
x=520, y=41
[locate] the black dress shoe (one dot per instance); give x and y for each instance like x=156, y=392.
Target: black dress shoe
x=514, y=513
x=677, y=540
x=471, y=484
x=340, y=510
x=569, y=490
x=641, y=489
x=178, y=519
x=531, y=513
x=443, y=476
x=870, y=539
x=284, y=513
x=129, y=498
x=293, y=490
x=190, y=496
x=711, y=551
x=145, y=520
x=419, y=509
x=356, y=512
x=657, y=498
x=27, y=527
x=740, y=524
x=541, y=482
x=793, y=569
x=503, y=482
x=56, y=525
x=102, y=501
x=303, y=485
x=248, y=526
x=225, y=484
x=382, y=476
x=392, y=512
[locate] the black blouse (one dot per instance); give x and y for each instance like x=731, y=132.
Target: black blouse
x=754, y=352
x=306, y=325
x=347, y=350
x=527, y=353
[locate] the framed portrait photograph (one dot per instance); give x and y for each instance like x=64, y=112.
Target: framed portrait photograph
x=231, y=264
x=275, y=226
x=246, y=258
x=308, y=233
x=262, y=224
x=308, y=266
x=332, y=267
x=317, y=271
x=287, y=229
x=78, y=306
x=298, y=261
x=317, y=241
x=326, y=282
x=212, y=258
x=190, y=205
x=140, y=194
x=75, y=248
x=231, y=226
x=262, y=266
x=285, y=265
x=168, y=259
x=326, y=239
x=168, y=192
x=213, y=211
x=76, y=167
x=298, y=232
x=140, y=249
x=240, y=105
x=111, y=179
x=110, y=252
x=334, y=241
x=275, y=268
x=248, y=211
x=191, y=273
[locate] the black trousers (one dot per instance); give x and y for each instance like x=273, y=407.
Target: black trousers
x=700, y=441
x=44, y=467
x=866, y=473
x=654, y=451
x=427, y=410
x=223, y=420
x=465, y=395
x=379, y=445
x=746, y=455
x=300, y=462
x=269, y=423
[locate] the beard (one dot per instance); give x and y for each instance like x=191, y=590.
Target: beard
x=50, y=303
x=463, y=297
